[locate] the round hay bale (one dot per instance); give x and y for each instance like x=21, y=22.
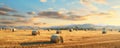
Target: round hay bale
x=70, y=30
x=85, y=29
x=55, y=38
x=58, y=32
x=35, y=32
x=13, y=29
x=119, y=31
x=104, y=31
x=48, y=29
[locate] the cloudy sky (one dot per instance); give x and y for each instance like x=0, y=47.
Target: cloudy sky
x=59, y=12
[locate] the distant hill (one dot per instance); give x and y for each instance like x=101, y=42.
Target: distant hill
x=84, y=26
x=64, y=27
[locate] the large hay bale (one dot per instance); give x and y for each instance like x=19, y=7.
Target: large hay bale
x=58, y=32
x=56, y=38
x=35, y=32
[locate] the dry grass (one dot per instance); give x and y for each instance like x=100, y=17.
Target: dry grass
x=75, y=39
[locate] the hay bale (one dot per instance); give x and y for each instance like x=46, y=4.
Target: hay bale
x=104, y=31
x=119, y=31
x=13, y=29
x=70, y=30
x=48, y=29
x=56, y=38
x=58, y=32
x=84, y=29
x=35, y=32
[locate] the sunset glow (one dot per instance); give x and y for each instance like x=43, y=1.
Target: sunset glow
x=59, y=12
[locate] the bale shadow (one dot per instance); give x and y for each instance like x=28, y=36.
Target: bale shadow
x=25, y=35
x=36, y=43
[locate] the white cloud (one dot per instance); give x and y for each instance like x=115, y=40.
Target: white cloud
x=47, y=0
x=43, y=0
x=50, y=9
x=62, y=11
x=88, y=4
x=116, y=7
x=3, y=13
x=80, y=12
x=100, y=1
x=53, y=0
x=31, y=13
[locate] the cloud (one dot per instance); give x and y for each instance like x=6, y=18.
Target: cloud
x=101, y=1
x=57, y=15
x=50, y=9
x=105, y=15
x=80, y=12
x=17, y=15
x=53, y=0
x=116, y=7
x=17, y=21
x=3, y=13
x=76, y=18
x=12, y=18
x=7, y=9
x=47, y=0
x=43, y=0
x=62, y=11
x=112, y=13
x=31, y=13
x=88, y=4
x=6, y=22
x=52, y=14
x=74, y=15
x=34, y=19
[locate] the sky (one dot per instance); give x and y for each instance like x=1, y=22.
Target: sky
x=59, y=12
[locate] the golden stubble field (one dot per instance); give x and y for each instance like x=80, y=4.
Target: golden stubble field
x=75, y=39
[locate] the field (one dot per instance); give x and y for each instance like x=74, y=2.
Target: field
x=75, y=39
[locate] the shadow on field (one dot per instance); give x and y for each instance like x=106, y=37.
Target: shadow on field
x=24, y=35
x=35, y=43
